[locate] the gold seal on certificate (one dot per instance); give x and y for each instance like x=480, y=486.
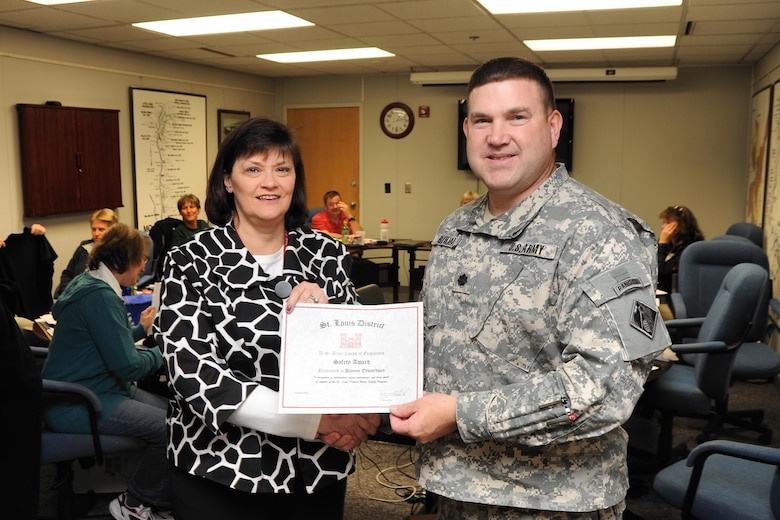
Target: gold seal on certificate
x=351, y=358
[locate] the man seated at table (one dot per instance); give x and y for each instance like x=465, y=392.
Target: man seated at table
x=331, y=221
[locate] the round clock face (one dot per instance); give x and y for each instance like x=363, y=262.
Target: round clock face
x=396, y=120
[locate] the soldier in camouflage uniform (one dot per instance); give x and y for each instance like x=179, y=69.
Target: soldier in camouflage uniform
x=541, y=324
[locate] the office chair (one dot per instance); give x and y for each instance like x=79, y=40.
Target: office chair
x=703, y=265
x=748, y=230
x=724, y=479
x=63, y=449
x=370, y=295
x=702, y=390
x=160, y=233
x=311, y=213
x=146, y=276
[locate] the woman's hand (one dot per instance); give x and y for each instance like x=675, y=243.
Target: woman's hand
x=668, y=232
x=306, y=292
x=147, y=318
x=347, y=431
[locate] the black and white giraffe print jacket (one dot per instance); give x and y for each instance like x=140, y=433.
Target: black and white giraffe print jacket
x=218, y=326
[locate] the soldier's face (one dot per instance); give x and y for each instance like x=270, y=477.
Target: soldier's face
x=510, y=137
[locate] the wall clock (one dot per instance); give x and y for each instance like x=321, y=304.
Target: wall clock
x=396, y=120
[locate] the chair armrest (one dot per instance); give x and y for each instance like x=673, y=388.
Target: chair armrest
x=677, y=323
x=64, y=387
x=754, y=452
x=703, y=346
x=39, y=352
x=64, y=391
x=699, y=455
x=774, y=304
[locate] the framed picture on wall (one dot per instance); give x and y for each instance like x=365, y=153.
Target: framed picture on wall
x=760, y=120
x=169, y=151
x=228, y=120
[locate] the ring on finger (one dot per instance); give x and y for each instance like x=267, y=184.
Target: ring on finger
x=314, y=298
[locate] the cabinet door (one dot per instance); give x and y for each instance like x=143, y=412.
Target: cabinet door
x=70, y=159
x=99, y=175
x=48, y=143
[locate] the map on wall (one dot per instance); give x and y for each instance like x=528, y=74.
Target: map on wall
x=759, y=150
x=772, y=207
x=169, y=151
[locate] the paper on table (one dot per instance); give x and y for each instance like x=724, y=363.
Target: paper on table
x=350, y=358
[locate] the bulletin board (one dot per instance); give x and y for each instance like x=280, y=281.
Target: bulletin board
x=169, y=151
x=759, y=155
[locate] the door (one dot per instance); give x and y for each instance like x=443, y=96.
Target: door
x=330, y=145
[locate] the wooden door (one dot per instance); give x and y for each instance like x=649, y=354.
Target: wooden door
x=330, y=144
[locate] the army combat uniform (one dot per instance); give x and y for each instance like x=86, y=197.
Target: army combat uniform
x=543, y=322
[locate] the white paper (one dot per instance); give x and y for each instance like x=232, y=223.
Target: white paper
x=351, y=358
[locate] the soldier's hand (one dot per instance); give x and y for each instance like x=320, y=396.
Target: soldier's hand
x=426, y=419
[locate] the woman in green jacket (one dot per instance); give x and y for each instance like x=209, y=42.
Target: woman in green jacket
x=94, y=345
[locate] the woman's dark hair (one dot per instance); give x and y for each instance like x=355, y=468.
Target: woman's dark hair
x=500, y=69
x=257, y=135
x=121, y=247
x=687, y=225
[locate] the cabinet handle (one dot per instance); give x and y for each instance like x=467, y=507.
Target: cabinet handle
x=78, y=162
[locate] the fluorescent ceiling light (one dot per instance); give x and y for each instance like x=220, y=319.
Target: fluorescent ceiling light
x=331, y=55
x=583, y=44
x=226, y=23
x=56, y=2
x=551, y=6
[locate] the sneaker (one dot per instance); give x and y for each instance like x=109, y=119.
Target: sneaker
x=121, y=511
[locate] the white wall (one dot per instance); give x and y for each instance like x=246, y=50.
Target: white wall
x=35, y=69
x=645, y=145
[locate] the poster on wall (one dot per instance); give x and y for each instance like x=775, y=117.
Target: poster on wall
x=772, y=205
x=169, y=151
x=759, y=153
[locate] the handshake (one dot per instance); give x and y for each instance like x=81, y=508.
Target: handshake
x=347, y=431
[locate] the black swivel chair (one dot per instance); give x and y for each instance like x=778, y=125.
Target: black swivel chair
x=702, y=390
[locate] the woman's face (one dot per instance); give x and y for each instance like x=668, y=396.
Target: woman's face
x=99, y=228
x=263, y=186
x=189, y=212
x=130, y=276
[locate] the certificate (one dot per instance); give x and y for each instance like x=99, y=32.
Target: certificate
x=350, y=358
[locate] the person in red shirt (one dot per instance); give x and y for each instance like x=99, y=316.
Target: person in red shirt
x=332, y=219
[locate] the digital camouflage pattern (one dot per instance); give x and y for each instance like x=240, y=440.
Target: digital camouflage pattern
x=543, y=322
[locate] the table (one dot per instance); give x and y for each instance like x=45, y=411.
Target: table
x=394, y=246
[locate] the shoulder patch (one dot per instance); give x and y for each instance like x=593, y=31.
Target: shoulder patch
x=628, y=284
x=643, y=318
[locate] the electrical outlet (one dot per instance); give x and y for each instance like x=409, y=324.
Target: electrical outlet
x=408, y=187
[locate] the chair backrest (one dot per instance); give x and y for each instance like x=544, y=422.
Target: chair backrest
x=370, y=294
x=703, y=267
x=312, y=212
x=728, y=320
x=748, y=230
x=146, y=276
x=160, y=234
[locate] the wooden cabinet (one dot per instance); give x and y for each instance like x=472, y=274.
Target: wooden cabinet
x=70, y=159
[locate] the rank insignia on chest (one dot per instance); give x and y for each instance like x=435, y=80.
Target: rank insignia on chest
x=643, y=318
